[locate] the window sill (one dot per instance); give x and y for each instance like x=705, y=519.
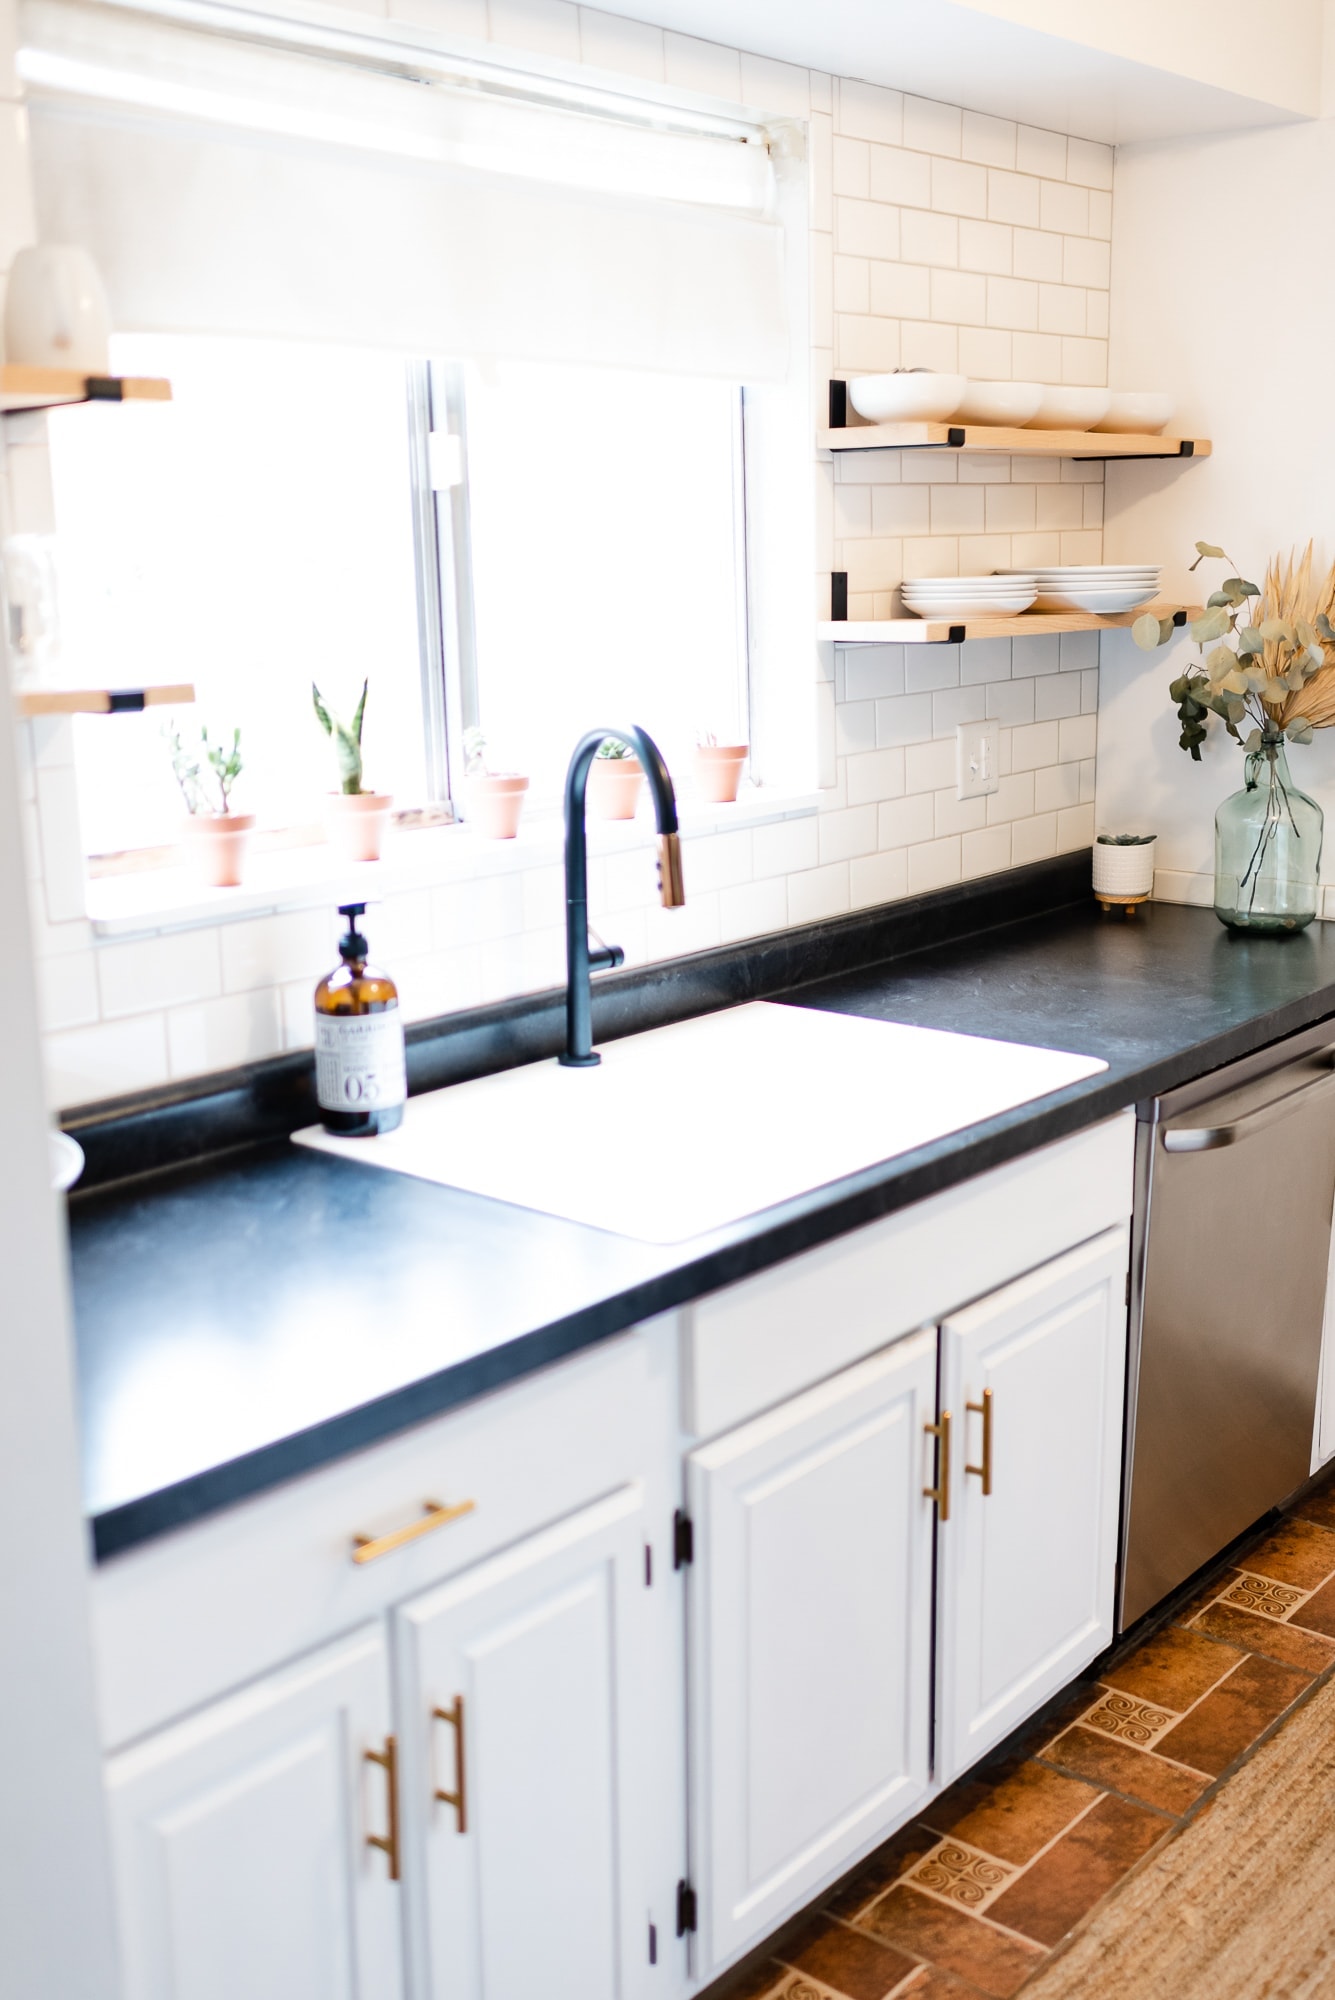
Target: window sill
x=170, y=899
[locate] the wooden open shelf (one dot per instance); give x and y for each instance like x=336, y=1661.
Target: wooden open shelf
x=49, y=388
x=1015, y=443
x=101, y=701
x=1029, y=624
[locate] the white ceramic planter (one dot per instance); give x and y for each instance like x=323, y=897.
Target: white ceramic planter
x=1124, y=874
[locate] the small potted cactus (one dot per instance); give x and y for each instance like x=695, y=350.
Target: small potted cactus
x=355, y=819
x=214, y=837
x=493, y=800
x=615, y=777
x=718, y=768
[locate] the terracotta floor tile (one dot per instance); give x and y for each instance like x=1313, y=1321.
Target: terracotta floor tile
x=1319, y=1507
x=950, y=1939
x=874, y=1875
x=1299, y=1552
x=848, y=1960
x=1262, y=1635
x=1230, y=1719
x=1318, y=1614
x=1024, y=1813
x=1205, y=1595
x=935, y=1983
x=1138, y=1773
x=1172, y=1668
x=1084, y=1864
x=758, y=1982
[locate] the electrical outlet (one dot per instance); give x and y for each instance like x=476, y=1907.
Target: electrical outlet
x=977, y=753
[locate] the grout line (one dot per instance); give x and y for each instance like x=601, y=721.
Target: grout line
x=1127, y=1798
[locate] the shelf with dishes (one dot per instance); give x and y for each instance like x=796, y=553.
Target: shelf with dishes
x=26, y=388
x=921, y=409
x=1070, y=597
x=954, y=631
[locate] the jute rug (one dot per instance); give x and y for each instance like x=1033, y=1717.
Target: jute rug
x=1241, y=1906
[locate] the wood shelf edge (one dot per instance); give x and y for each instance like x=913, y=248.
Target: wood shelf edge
x=1014, y=442
x=947, y=631
x=101, y=701
x=23, y=388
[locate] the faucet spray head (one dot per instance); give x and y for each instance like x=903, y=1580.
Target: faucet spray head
x=671, y=887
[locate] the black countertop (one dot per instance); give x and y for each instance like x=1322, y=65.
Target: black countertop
x=242, y=1320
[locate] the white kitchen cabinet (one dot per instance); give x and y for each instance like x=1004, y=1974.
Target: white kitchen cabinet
x=810, y=1617
x=533, y=1785
x=1033, y=1379
x=240, y=1839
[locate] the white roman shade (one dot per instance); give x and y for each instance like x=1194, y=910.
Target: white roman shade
x=233, y=174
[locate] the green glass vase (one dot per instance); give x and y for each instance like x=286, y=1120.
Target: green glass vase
x=1267, y=849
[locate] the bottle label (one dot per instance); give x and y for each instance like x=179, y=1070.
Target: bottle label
x=359, y=1061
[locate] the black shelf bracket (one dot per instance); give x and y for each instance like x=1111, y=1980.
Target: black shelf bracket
x=839, y=595
x=838, y=406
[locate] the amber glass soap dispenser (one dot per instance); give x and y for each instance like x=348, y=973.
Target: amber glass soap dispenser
x=360, y=1077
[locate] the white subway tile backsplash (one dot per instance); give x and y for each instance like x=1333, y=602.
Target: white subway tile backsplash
x=987, y=247
x=1056, y=787
x=547, y=27
x=1079, y=737
x=1013, y=198
x=900, y=510
x=1063, y=208
x=955, y=815
x=959, y=188
x=877, y=878
x=929, y=667
x=1011, y=702
x=934, y=865
x=222, y=1034
x=1089, y=163
x=924, y=345
x=1061, y=309
x=1033, y=839
x=991, y=141
x=820, y=146
x=928, y=239
x=985, y=352
x=1056, y=696
x=784, y=847
x=691, y=64
x=866, y=346
x=952, y=706
x=753, y=909
x=1086, y=260
x=773, y=86
x=1035, y=653
x=1013, y=799
x=67, y=991
x=822, y=90
x=83, y=1064
x=1058, y=506
x=847, y=833
x=961, y=296
x=1075, y=828
x=902, y=821
x=1038, y=254
x=896, y=175
x=1013, y=303
x=929, y=766
x=874, y=775
x=1040, y=152
x=983, y=660
x=901, y=291
x=872, y=671
x=1034, y=745
x=854, y=727
x=136, y=977
x=865, y=228
x=852, y=284
x=985, y=853
x=851, y=164
x=1038, y=356
x=867, y=111
x=903, y=719
x=958, y=510
x=611, y=41
x=818, y=893
x=930, y=127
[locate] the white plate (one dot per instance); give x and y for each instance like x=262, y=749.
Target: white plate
x=981, y=607
x=961, y=596
x=1105, y=602
x=1114, y=572
x=912, y=395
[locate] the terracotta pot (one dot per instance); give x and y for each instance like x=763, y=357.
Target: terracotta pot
x=215, y=846
x=614, y=787
x=718, y=770
x=495, y=802
x=355, y=823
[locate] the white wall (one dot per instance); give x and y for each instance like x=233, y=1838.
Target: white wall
x=1223, y=292
x=56, y=1934
x=938, y=237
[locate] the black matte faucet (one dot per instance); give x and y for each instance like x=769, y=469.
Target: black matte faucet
x=580, y=961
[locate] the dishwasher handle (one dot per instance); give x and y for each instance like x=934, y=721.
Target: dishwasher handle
x=1205, y=1138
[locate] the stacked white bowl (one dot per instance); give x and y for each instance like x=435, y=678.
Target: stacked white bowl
x=933, y=396
x=1105, y=588
x=962, y=597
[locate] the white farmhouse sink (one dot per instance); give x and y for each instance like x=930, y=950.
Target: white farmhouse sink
x=687, y=1128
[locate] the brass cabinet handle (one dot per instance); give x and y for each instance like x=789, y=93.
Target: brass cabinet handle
x=941, y=1491
x=458, y=1798
x=388, y=1842
x=984, y=1471
x=367, y=1548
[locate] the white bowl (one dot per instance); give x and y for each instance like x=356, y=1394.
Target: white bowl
x=1105, y=603
x=1001, y=606
x=909, y=395
x=1000, y=402
x=1146, y=410
x=66, y=1160
x=1070, y=409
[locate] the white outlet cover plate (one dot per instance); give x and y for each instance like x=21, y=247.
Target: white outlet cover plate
x=685, y=1129
x=977, y=752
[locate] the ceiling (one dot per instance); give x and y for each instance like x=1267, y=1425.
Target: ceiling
x=954, y=52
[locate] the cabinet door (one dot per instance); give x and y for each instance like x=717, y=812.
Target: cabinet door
x=526, y=1704
x=810, y=1617
x=1034, y=1380
x=240, y=1837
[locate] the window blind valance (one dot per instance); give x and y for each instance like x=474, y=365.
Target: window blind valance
x=236, y=175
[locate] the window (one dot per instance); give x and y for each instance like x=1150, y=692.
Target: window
x=272, y=526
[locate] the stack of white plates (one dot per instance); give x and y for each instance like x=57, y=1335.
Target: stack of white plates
x=961, y=597
x=1105, y=588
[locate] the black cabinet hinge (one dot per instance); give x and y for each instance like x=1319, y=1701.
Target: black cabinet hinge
x=685, y=1908
x=653, y=1944
x=683, y=1539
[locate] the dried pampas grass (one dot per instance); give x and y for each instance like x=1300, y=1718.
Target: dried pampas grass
x=1289, y=593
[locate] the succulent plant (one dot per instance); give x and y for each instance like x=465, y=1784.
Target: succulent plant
x=346, y=739
x=612, y=749
x=223, y=761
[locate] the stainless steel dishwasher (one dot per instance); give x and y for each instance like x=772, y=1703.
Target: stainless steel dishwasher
x=1235, y=1181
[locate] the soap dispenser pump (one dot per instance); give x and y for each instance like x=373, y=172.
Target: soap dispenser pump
x=361, y=1079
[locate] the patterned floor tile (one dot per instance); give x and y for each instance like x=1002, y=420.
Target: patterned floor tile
x=1140, y=1774
x=1230, y=1719
x=1133, y=1721
x=961, y=1875
x=853, y=1964
x=965, y=1945
x=881, y=1868
x=1261, y=1594
x=1066, y=1882
x=1023, y=1813
x=1171, y=1669
x=1298, y=1552
x=1295, y=1646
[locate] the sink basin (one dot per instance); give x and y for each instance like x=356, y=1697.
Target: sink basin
x=687, y=1128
